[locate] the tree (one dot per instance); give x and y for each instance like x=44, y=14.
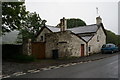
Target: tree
x=112, y=37
x=13, y=14
x=31, y=26
x=15, y=17
x=118, y=38
x=73, y=22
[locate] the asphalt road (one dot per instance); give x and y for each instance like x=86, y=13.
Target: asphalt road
x=104, y=68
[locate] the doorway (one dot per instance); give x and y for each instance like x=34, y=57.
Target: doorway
x=82, y=50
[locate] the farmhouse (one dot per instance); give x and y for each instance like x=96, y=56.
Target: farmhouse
x=77, y=42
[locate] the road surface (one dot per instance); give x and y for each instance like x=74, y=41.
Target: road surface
x=104, y=68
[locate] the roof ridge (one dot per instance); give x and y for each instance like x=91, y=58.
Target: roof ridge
x=52, y=26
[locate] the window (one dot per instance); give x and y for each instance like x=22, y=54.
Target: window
x=41, y=38
x=98, y=38
x=89, y=48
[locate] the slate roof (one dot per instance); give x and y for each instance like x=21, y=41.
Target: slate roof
x=77, y=30
x=87, y=38
x=53, y=29
x=84, y=29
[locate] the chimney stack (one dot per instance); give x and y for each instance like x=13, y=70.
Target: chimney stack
x=98, y=20
x=63, y=24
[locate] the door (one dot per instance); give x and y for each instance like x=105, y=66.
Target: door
x=82, y=49
x=38, y=50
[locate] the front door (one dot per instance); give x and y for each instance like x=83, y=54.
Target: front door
x=82, y=49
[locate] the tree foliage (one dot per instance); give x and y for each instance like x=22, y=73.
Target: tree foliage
x=15, y=17
x=112, y=37
x=118, y=36
x=13, y=13
x=31, y=25
x=73, y=22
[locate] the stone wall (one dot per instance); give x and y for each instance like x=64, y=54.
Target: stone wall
x=27, y=47
x=66, y=42
x=44, y=31
x=97, y=41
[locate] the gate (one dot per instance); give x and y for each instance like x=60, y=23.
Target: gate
x=38, y=50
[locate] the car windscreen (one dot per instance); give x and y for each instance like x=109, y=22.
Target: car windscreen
x=108, y=46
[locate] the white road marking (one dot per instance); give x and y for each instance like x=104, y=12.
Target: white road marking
x=73, y=63
x=31, y=70
x=20, y=74
x=66, y=65
x=61, y=65
x=45, y=68
x=17, y=73
x=81, y=62
x=56, y=67
x=51, y=67
x=6, y=76
x=35, y=71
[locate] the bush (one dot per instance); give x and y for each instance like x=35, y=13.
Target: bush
x=23, y=58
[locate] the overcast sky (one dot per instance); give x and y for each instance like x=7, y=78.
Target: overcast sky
x=54, y=10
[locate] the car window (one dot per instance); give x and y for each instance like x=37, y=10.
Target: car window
x=109, y=46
